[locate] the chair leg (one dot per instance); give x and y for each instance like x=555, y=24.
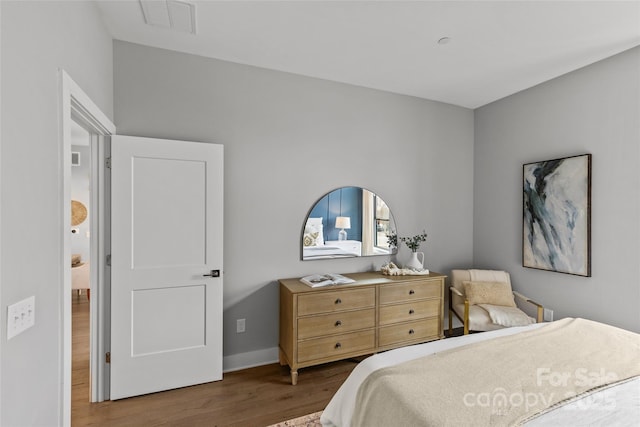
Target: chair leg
x=450, y=322
x=466, y=317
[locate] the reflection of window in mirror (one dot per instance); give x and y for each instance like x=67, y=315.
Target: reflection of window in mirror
x=382, y=223
x=375, y=224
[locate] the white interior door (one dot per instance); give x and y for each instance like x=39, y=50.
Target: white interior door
x=166, y=229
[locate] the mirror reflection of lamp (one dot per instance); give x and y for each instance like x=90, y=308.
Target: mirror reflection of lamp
x=343, y=222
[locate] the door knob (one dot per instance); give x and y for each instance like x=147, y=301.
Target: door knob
x=214, y=273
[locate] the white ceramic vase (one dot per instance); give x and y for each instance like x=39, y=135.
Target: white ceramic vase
x=414, y=262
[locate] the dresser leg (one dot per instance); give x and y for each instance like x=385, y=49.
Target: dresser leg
x=294, y=377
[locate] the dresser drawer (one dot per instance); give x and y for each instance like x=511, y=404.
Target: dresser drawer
x=337, y=345
x=327, y=302
x=412, y=331
x=336, y=323
x=390, y=294
x=409, y=311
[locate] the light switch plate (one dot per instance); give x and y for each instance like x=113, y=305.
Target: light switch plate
x=21, y=316
x=240, y=326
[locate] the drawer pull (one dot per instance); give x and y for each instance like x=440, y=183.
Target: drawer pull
x=338, y=322
x=411, y=292
x=338, y=345
x=338, y=301
x=411, y=332
x=411, y=311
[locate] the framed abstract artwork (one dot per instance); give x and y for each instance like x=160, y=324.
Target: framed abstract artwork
x=556, y=231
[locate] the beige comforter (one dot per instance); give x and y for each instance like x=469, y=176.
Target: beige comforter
x=499, y=382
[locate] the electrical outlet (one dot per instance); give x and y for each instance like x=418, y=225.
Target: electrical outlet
x=21, y=316
x=240, y=326
x=548, y=315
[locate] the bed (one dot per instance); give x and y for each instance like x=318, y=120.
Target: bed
x=315, y=247
x=568, y=372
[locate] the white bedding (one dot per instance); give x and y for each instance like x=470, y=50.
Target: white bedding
x=615, y=406
x=326, y=251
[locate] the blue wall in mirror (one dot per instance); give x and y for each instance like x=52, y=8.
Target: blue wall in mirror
x=345, y=201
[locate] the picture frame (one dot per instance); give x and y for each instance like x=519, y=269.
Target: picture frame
x=556, y=218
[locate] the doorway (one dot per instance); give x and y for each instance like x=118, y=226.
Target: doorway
x=81, y=219
x=195, y=339
x=78, y=109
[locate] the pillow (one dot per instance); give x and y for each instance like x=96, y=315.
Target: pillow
x=310, y=239
x=495, y=293
x=314, y=221
x=76, y=259
x=314, y=225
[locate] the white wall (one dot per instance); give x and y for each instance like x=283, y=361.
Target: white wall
x=593, y=110
x=289, y=140
x=37, y=39
x=80, y=191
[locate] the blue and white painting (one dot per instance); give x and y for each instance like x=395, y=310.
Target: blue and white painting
x=556, y=226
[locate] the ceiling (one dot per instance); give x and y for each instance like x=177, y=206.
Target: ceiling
x=496, y=48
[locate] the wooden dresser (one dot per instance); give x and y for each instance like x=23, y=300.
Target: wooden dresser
x=376, y=313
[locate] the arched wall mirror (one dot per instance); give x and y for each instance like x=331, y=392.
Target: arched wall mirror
x=347, y=222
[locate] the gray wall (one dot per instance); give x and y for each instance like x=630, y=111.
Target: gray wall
x=289, y=140
x=38, y=38
x=282, y=134
x=593, y=110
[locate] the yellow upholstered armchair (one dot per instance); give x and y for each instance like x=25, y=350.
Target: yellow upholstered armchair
x=483, y=301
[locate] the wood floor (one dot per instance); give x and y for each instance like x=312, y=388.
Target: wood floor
x=253, y=397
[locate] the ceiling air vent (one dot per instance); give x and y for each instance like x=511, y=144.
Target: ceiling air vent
x=172, y=14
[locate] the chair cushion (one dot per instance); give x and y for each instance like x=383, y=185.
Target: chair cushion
x=507, y=316
x=479, y=319
x=494, y=293
x=80, y=277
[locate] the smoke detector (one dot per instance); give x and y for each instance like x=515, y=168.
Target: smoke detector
x=172, y=14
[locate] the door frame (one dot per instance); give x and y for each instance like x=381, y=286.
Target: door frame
x=76, y=105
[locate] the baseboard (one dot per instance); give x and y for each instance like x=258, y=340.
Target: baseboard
x=250, y=359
